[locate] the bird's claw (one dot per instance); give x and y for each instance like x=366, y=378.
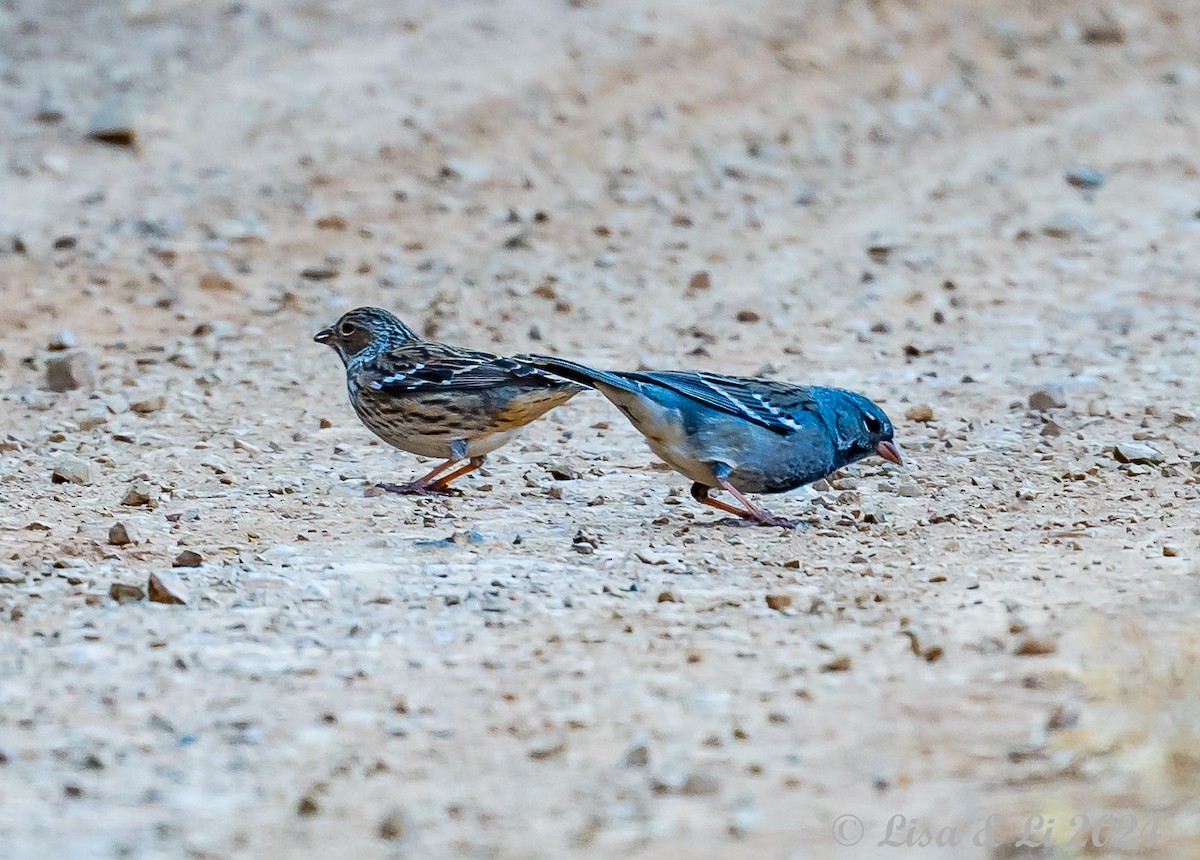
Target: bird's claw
x=777, y=522
x=418, y=489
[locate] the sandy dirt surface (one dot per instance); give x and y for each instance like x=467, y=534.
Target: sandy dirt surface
x=878, y=194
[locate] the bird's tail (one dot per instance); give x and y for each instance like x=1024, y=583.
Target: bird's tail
x=577, y=372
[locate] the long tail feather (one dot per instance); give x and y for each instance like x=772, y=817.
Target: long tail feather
x=577, y=372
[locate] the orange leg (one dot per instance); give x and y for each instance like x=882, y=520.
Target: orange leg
x=749, y=512
x=471, y=465
x=430, y=484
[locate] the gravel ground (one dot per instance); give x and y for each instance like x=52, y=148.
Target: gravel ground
x=985, y=218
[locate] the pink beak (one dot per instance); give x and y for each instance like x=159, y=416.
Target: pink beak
x=889, y=451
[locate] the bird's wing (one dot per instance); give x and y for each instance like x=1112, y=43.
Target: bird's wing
x=770, y=404
x=430, y=366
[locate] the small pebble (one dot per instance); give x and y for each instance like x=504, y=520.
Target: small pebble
x=140, y=492
x=547, y=748
x=700, y=785
x=48, y=110
x=467, y=171
x=1105, y=31
x=11, y=576
x=881, y=245
x=563, y=472
x=164, y=587
x=118, y=535
x=331, y=222
x=61, y=341
x=112, y=123
x=637, y=754
x=779, y=602
x=1085, y=176
x=1068, y=225
x=96, y=417
x=393, y=826
x=1136, y=452
x=922, y=413
x=1050, y=397
x=1035, y=646
x=319, y=272
x=188, y=558
x=150, y=404
x=216, y=282
x=73, y=470
x=123, y=592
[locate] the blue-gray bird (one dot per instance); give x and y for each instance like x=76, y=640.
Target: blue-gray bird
x=741, y=434
x=434, y=399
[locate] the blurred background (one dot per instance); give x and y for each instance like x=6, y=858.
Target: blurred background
x=985, y=215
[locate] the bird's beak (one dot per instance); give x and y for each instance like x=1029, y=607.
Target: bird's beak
x=325, y=335
x=888, y=450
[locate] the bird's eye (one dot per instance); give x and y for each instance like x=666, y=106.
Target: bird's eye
x=347, y=328
x=872, y=424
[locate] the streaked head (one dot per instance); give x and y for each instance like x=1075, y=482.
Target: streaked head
x=369, y=330
x=861, y=427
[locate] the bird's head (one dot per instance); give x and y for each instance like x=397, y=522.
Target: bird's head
x=365, y=331
x=861, y=428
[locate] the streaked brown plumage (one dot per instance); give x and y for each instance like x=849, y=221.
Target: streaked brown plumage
x=434, y=399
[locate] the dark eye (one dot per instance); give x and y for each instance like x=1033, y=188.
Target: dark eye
x=872, y=424
x=347, y=328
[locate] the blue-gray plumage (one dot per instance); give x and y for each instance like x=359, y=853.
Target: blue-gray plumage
x=740, y=433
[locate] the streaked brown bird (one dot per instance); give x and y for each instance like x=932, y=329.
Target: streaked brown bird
x=436, y=400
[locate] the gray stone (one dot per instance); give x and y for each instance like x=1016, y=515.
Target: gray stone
x=637, y=754
x=71, y=370
x=118, y=535
x=11, y=576
x=112, y=123
x=48, y=109
x=1069, y=225
x=140, y=492
x=1136, y=452
x=73, y=470
x=1085, y=176
x=700, y=785
x=563, y=472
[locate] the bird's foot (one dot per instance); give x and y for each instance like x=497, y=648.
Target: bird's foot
x=768, y=520
x=777, y=522
x=417, y=488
